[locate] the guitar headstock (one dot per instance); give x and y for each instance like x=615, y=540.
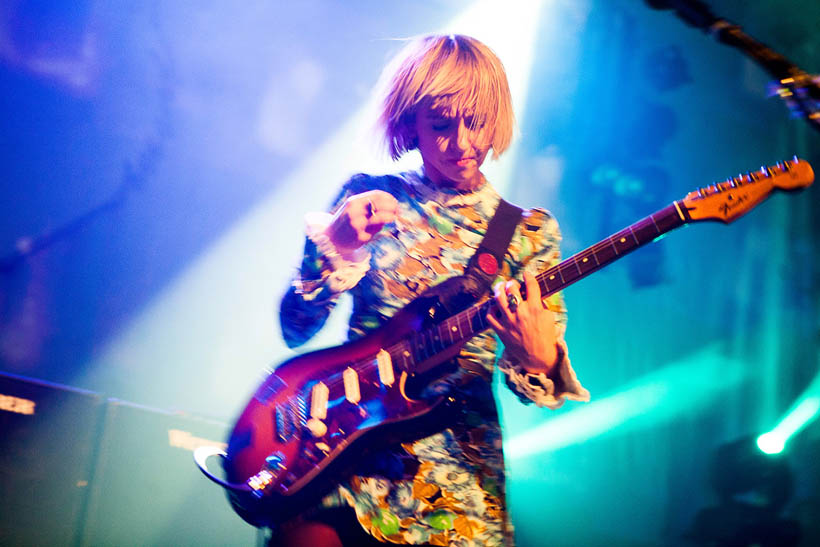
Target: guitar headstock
x=726, y=201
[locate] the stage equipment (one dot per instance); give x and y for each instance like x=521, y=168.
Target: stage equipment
x=47, y=440
x=799, y=90
x=753, y=489
x=145, y=490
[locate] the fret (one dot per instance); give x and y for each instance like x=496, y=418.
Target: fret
x=631, y=231
x=595, y=256
x=428, y=343
x=470, y=327
x=604, y=254
x=655, y=224
x=610, y=249
x=477, y=322
x=429, y=346
x=646, y=231
x=543, y=286
x=417, y=347
x=667, y=219
x=567, y=272
x=585, y=266
x=623, y=244
x=483, y=310
x=437, y=340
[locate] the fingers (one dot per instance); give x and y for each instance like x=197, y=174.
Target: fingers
x=363, y=216
x=377, y=203
x=533, y=289
x=503, y=317
x=512, y=291
x=370, y=211
x=513, y=303
x=508, y=298
x=525, y=326
x=495, y=324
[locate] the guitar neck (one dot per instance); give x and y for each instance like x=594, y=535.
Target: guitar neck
x=472, y=321
x=611, y=249
x=722, y=202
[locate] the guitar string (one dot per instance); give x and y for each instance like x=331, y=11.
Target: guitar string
x=366, y=365
x=362, y=366
x=565, y=266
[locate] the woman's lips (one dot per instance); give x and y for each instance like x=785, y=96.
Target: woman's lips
x=465, y=162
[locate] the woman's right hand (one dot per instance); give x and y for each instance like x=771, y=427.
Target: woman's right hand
x=360, y=218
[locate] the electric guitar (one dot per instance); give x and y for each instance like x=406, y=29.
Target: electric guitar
x=313, y=414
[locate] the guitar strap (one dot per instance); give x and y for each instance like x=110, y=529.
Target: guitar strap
x=484, y=265
x=458, y=293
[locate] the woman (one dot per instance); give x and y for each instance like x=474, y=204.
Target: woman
x=388, y=238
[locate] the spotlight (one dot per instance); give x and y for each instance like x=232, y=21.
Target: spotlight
x=742, y=473
x=769, y=443
x=753, y=489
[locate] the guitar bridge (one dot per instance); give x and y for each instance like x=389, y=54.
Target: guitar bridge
x=290, y=418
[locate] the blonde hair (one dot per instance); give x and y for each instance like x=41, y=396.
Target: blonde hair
x=453, y=72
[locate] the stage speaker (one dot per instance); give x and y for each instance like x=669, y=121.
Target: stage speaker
x=147, y=489
x=47, y=438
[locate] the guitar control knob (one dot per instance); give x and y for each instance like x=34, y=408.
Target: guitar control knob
x=316, y=427
x=276, y=461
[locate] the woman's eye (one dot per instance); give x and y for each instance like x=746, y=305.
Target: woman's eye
x=474, y=124
x=441, y=125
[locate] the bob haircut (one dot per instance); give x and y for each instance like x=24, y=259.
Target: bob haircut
x=455, y=73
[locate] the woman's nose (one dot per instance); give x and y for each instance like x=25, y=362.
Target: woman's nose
x=464, y=135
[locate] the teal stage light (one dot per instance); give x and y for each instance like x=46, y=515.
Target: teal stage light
x=803, y=412
x=771, y=443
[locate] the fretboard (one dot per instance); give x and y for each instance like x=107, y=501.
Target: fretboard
x=462, y=326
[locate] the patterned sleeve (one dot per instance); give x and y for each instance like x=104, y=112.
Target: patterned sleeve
x=322, y=276
x=537, y=249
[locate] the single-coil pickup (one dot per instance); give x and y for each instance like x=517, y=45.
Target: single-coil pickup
x=351, y=382
x=385, y=364
x=318, y=401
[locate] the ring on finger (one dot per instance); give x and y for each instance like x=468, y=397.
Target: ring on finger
x=512, y=303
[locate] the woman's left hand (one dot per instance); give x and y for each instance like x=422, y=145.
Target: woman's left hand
x=526, y=327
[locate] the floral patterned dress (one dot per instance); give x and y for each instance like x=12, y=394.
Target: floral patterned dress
x=448, y=487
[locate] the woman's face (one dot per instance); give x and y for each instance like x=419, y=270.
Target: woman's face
x=451, y=150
